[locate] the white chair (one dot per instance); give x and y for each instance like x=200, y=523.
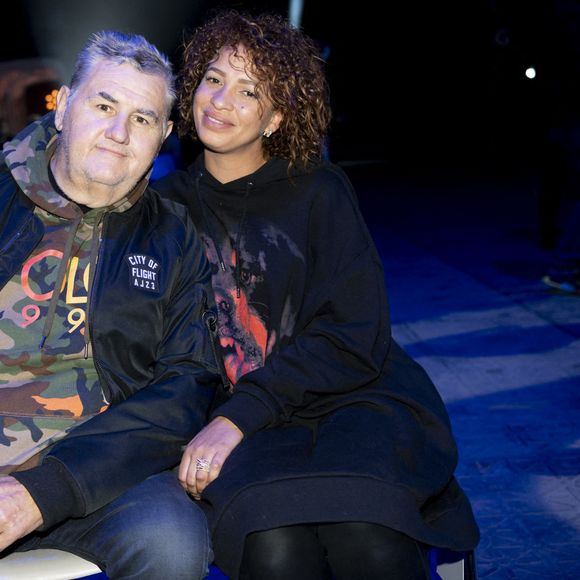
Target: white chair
x=450, y=571
x=45, y=564
x=51, y=564
x=456, y=565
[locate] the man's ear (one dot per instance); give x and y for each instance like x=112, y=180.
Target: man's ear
x=168, y=129
x=62, y=99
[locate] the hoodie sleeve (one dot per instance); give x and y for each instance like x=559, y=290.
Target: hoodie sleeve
x=144, y=434
x=344, y=334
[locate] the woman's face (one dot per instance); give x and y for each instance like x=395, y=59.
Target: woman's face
x=229, y=118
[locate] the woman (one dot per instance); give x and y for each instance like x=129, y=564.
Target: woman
x=334, y=449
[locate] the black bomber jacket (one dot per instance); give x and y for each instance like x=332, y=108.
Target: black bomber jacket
x=153, y=353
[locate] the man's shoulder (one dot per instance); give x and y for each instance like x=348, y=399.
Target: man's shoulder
x=11, y=194
x=169, y=218
x=7, y=183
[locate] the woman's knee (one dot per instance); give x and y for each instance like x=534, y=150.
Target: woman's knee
x=283, y=553
x=362, y=550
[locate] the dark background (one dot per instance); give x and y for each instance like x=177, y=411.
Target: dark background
x=462, y=167
x=428, y=84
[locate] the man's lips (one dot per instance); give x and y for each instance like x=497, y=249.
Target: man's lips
x=114, y=152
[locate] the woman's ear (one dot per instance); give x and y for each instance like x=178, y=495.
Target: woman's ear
x=274, y=124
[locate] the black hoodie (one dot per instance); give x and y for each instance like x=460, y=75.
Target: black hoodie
x=310, y=287
x=304, y=329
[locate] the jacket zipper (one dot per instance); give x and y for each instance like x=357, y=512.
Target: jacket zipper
x=11, y=240
x=105, y=387
x=16, y=235
x=210, y=320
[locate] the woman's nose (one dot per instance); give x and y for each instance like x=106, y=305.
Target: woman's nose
x=221, y=99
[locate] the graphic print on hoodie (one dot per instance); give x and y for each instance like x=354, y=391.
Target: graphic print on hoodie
x=245, y=337
x=256, y=249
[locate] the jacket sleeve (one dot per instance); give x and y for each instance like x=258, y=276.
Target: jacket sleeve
x=344, y=334
x=144, y=434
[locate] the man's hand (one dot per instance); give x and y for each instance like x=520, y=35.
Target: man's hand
x=19, y=515
x=208, y=449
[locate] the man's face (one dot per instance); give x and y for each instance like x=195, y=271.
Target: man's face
x=112, y=127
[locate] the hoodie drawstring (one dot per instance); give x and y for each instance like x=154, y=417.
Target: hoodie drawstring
x=239, y=237
x=62, y=269
x=92, y=267
x=61, y=273
x=208, y=225
x=211, y=232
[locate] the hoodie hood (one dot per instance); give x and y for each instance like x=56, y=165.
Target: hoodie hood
x=27, y=157
x=264, y=179
x=275, y=169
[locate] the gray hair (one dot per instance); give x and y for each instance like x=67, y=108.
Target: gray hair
x=122, y=48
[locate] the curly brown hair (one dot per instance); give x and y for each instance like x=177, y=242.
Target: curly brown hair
x=289, y=70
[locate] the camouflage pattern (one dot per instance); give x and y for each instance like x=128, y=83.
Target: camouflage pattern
x=46, y=392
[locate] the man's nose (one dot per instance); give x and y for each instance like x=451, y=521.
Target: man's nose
x=117, y=129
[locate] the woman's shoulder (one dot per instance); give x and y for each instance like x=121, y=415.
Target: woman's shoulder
x=327, y=181
x=332, y=171
x=322, y=171
x=177, y=178
x=177, y=185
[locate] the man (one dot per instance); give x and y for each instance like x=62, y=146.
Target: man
x=106, y=364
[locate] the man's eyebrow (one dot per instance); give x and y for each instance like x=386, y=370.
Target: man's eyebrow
x=107, y=97
x=149, y=113
x=144, y=112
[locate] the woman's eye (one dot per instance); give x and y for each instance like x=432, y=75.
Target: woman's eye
x=249, y=94
x=104, y=107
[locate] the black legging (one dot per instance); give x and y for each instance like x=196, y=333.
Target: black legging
x=353, y=551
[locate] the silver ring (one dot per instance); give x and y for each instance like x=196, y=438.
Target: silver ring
x=202, y=464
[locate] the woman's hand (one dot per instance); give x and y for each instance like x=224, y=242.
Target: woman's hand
x=205, y=454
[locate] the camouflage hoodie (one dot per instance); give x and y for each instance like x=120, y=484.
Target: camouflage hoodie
x=47, y=375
